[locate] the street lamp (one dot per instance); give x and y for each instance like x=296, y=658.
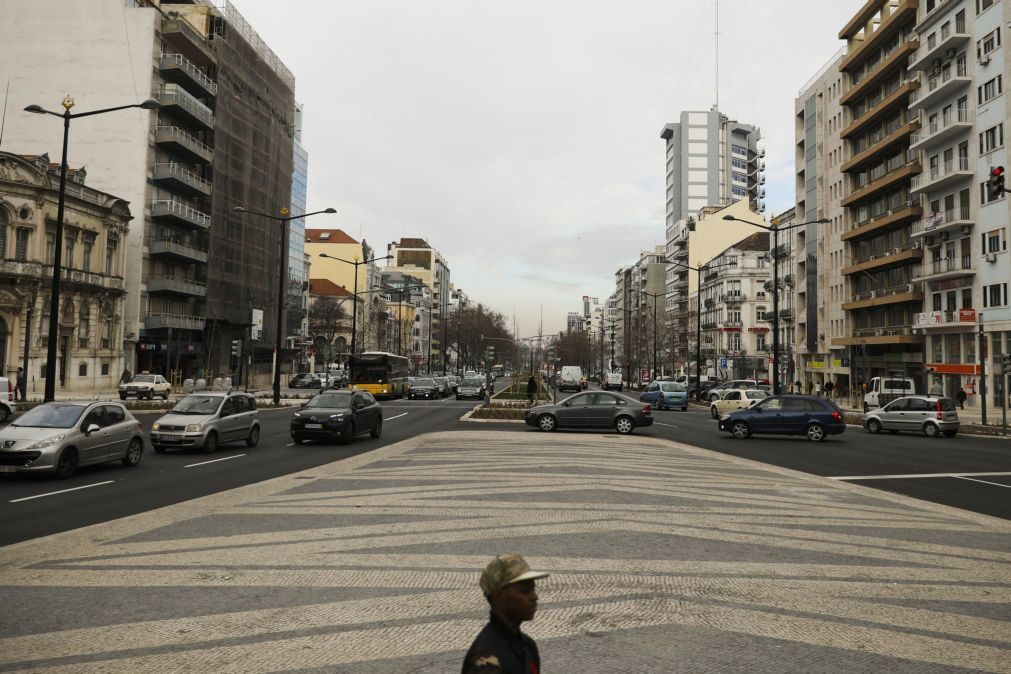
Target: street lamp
x=54, y=297
x=654, y=296
x=400, y=307
x=774, y=228
x=354, y=308
x=282, y=277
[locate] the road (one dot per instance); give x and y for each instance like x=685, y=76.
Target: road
x=961, y=469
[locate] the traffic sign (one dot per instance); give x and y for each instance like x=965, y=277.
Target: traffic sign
x=723, y=363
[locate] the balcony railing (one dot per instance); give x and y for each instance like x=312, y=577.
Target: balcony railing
x=940, y=219
x=939, y=83
x=181, y=64
x=943, y=126
x=178, y=247
x=941, y=173
x=175, y=174
x=177, y=321
x=957, y=263
x=185, y=141
x=940, y=318
x=733, y=297
x=178, y=212
x=174, y=95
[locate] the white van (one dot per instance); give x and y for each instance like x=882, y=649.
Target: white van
x=883, y=390
x=571, y=378
x=612, y=381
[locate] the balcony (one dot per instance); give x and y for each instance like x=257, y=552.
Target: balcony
x=733, y=297
x=190, y=43
x=175, y=99
x=789, y=280
x=886, y=66
x=786, y=315
x=174, y=177
x=176, y=285
x=23, y=269
x=179, y=214
x=178, y=248
x=708, y=325
x=889, y=177
x=949, y=37
x=174, y=138
x=946, y=268
x=892, y=100
x=174, y=321
x=178, y=69
x=963, y=318
x=887, y=220
x=947, y=125
x=942, y=223
x=731, y=326
x=87, y=278
x=882, y=297
x=888, y=258
x=901, y=12
x=709, y=303
x=937, y=176
x=940, y=87
x=881, y=143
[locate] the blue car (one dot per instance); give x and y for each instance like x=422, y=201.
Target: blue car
x=665, y=395
x=786, y=415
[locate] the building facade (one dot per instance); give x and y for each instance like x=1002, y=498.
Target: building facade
x=415, y=257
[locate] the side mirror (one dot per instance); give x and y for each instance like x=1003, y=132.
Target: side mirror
x=92, y=428
x=566, y=404
x=758, y=409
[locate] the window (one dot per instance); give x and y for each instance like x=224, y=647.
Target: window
x=110, y=257
x=738, y=164
x=990, y=90
x=739, y=150
x=89, y=245
x=988, y=43
x=993, y=242
x=68, y=252
x=991, y=139
x=84, y=327
x=105, y=369
x=3, y=240
x=82, y=370
x=21, y=245
x=50, y=250
x=995, y=295
x=983, y=5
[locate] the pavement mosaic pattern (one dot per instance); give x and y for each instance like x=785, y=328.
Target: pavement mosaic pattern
x=664, y=558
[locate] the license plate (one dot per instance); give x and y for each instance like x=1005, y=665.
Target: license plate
x=313, y=426
x=8, y=469
x=171, y=438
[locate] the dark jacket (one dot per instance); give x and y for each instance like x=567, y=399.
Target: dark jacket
x=499, y=650
x=531, y=386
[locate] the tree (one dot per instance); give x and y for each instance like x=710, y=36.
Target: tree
x=327, y=317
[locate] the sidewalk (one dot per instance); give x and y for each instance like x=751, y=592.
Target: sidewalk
x=663, y=557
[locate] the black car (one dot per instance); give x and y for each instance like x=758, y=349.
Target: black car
x=786, y=415
x=592, y=409
x=423, y=388
x=337, y=415
x=470, y=388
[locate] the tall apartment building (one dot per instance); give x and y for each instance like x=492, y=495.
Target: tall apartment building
x=574, y=322
x=298, y=271
x=821, y=352
x=416, y=258
x=711, y=160
x=647, y=302
x=196, y=271
x=882, y=261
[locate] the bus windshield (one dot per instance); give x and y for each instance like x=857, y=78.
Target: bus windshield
x=362, y=373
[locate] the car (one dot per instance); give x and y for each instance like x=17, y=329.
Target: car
x=146, y=386
x=303, y=380
x=453, y=382
x=612, y=381
x=591, y=409
x=337, y=416
x=423, y=387
x=786, y=415
x=700, y=391
x=7, y=405
x=736, y=399
x=665, y=395
x=570, y=378
x=60, y=437
x=470, y=388
x=717, y=391
x=930, y=415
x=207, y=420
x=443, y=385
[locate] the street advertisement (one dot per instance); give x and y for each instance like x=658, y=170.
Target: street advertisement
x=256, y=331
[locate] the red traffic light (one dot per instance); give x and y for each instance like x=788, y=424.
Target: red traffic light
x=996, y=171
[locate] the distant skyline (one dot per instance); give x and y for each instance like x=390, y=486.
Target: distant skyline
x=523, y=140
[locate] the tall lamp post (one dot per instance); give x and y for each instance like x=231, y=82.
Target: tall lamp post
x=400, y=290
x=775, y=228
x=354, y=310
x=54, y=297
x=282, y=278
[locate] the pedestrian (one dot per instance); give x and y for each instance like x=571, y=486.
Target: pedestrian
x=796, y=387
x=19, y=385
x=936, y=389
x=126, y=377
x=531, y=389
x=817, y=390
x=810, y=387
x=501, y=648
x=961, y=396
x=829, y=387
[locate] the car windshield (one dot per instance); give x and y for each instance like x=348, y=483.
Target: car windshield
x=473, y=382
x=143, y=379
x=198, y=404
x=51, y=415
x=756, y=395
x=672, y=388
x=440, y=380
x=339, y=399
x=423, y=382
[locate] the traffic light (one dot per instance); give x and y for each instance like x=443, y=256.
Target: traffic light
x=1005, y=364
x=236, y=348
x=995, y=184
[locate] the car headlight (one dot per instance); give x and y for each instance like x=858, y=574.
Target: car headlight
x=337, y=417
x=296, y=415
x=724, y=417
x=193, y=428
x=49, y=442
x=155, y=426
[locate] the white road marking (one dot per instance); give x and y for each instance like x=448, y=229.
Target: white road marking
x=62, y=491
x=996, y=484
x=657, y=423
x=915, y=475
x=204, y=463
x=396, y=417
x=290, y=444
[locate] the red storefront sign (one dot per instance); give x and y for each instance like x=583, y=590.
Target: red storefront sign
x=758, y=329
x=967, y=315
x=942, y=368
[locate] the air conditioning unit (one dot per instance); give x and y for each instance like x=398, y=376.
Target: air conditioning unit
x=966, y=229
x=944, y=236
x=929, y=240
x=874, y=293
x=879, y=333
x=916, y=245
x=991, y=257
x=911, y=288
x=984, y=60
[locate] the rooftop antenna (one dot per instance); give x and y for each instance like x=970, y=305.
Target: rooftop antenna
x=717, y=36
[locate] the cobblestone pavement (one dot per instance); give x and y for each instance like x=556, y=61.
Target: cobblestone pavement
x=664, y=558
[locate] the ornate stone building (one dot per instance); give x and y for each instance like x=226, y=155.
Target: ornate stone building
x=90, y=349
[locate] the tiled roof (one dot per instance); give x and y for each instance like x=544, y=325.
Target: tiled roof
x=327, y=236
x=326, y=287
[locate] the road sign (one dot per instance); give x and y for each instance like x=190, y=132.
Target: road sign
x=645, y=374
x=723, y=363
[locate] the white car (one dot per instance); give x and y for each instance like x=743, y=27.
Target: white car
x=147, y=386
x=7, y=405
x=736, y=399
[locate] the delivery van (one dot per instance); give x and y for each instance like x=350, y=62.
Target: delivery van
x=883, y=390
x=612, y=381
x=571, y=378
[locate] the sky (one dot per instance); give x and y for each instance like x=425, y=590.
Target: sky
x=522, y=139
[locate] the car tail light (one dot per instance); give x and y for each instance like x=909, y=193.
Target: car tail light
x=836, y=415
x=939, y=414
x=646, y=410
x=10, y=390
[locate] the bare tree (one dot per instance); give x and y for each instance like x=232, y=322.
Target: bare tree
x=327, y=317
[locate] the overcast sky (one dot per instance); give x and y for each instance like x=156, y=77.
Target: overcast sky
x=522, y=138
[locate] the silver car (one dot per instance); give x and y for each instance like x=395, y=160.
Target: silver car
x=929, y=415
x=206, y=420
x=59, y=437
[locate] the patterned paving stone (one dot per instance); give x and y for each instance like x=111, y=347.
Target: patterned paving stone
x=664, y=558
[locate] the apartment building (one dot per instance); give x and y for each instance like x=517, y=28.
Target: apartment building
x=417, y=258
x=880, y=202
x=820, y=355
x=648, y=310
x=298, y=270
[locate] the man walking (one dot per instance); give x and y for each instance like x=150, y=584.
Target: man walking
x=829, y=387
x=960, y=397
x=531, y=389
x=126, y=377
x=501, y=648
x=19, y=385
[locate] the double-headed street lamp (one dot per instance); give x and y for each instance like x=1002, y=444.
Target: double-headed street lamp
x=354, y=309
x=282, y=278
x=54, y=296
x=775, y=228
x=400, y=307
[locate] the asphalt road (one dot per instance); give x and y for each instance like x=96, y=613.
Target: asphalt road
x=959, y=468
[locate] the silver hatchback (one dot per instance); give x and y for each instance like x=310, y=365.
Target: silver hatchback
x=59, y=437
x=206, y=420
x=930, y=415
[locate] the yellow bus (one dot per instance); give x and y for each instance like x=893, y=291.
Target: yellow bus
x=382, y=374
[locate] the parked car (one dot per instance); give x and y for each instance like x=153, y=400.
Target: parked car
x=7, y=405
x=337, y=415
x=470, y=388
x=917, y=414
x=206, y=420
x=700, y=391
x=59, y=437
x=717, y=391
x=423, y=387
x=665, y=395
x=883, y=390
x=443, y=385
x=304, y=380
x=736, y=399
x=591, y=409
x=146, y=386
x=786, y=415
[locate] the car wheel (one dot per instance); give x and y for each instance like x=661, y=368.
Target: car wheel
x=349, y=434
x=950, y=434
x=159, y=449
x=931, y=430
x=624, y=425
x=150, y=395
x=377, y=432
x=815, y=432
x=713, y=412
x=547, y=423
x=122, y=396
x=740, y=430
x=134, y=451
x=66, y=465
x=165, y=395
x=254, y=437
x=714, y=398
x=874, y=426
x=211, y=443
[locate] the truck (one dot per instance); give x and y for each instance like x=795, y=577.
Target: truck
x=883, y=390
x=612, y=381
x=571, y=378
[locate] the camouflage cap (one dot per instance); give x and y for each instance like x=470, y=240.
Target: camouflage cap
x=506, y=570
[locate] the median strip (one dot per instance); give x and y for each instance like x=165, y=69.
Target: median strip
x=204, y=463
x=915, y=475
x=62, y=491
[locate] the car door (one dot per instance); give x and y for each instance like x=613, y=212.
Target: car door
x=93, y=447
x=893, y=415
x=766, y=415
x=120, y=428
x=576, y=412
x=229, y=419
x=919, y=411
x=373, y=410
x=244, y=413
x=795, y=415
x=730, y=401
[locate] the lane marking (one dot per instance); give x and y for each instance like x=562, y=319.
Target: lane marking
x=996, y=484
x=915, y=475
x=658, y=423
x=290, y=444
x=396, y=417
x=62, y=491
x=204, y=463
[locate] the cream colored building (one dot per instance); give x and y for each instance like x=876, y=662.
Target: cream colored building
x=90, y=349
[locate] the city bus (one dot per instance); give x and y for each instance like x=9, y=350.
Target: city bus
x=382, y=374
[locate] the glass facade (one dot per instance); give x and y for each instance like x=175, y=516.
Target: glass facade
x=297, y=272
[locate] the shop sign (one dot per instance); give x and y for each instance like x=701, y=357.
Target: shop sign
x=967, y=315
x=758, y=329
